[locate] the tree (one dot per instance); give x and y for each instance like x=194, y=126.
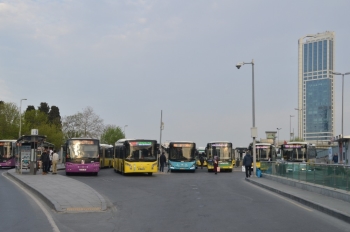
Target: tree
x=36, y=119
x=29, y=108
x=83, y=124
x=9, y=120
x=44, y=107
x=54, y=116
x=111, y=134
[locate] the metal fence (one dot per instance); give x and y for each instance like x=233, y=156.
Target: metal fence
x=330, y=175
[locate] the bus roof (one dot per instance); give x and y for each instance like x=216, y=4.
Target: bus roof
x=125, y=140
x=220, y=142
x=8, y=140
x=181, y=142
x=105, y=145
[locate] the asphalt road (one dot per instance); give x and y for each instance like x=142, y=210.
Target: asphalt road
x=18, y=211
x=198, y=201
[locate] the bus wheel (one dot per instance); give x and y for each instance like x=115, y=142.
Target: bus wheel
x=150, y=173
x=95, y=173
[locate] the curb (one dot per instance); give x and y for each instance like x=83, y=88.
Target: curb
x=329, y=211
x=51, y=204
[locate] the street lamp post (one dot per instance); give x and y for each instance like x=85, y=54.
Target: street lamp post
x=342, y=99
x=20, y=117
x=290, y=126
x=254, y=131
x=124, y=131
x=278, y=129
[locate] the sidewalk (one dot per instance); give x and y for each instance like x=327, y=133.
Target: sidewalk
x=326, y=204
x=61, y=193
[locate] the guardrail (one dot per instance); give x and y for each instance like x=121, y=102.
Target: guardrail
x=330, y=175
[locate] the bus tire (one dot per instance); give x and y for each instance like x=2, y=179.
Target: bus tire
x=95, y=173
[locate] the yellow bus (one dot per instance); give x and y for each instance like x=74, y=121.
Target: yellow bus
x=223, y=150
x=201, y=152
x=264, y=152
x=106, y=155
x=135, y=156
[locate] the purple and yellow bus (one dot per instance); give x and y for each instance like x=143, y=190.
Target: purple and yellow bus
x=7, y=153
x=82, y=155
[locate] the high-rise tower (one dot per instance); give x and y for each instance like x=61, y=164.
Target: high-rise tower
x=315, y=87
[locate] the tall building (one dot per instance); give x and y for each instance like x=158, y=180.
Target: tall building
x=315, y=87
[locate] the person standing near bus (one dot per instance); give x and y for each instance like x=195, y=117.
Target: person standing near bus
x=335, y=158
x=45, y=161
x=216, y=163
x=247, y=163
x=201, y=159
x=55, y=159
x=162, y=161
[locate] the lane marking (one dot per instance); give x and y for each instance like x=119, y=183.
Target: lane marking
x=47, y=214
x=284, y=198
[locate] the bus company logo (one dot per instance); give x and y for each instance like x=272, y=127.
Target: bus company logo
x=141, y=168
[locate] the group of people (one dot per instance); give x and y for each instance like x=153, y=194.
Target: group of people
x=48, y=158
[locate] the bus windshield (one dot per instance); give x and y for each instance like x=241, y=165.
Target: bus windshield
x=294, y=152
x=141, y=151
x=5, y=150
x=263, y=152
x=222, y=151
x=83, y=149
x=181, y=152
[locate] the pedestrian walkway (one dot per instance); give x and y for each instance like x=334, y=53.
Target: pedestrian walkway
x=61, y=193
x=329, y=205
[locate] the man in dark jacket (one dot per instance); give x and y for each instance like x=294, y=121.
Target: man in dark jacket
x=45, y=161
x=247, y=162
x=162, y=161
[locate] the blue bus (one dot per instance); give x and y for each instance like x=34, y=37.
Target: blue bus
x=182, y=156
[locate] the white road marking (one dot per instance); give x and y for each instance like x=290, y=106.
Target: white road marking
x=47, y=214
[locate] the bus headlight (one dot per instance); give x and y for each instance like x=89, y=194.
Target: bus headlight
x=155, y=164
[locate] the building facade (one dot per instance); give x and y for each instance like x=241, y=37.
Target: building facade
x=316, y=87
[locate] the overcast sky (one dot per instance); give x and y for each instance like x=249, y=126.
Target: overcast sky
x=129, y=60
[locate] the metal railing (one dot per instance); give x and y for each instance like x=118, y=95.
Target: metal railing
x=330, y=175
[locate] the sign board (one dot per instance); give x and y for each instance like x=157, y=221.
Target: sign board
x=34, y=132
x=25, y=156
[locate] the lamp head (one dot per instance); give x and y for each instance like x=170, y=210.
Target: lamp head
x=239, y=65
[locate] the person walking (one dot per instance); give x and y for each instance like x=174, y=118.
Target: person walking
x=45, y=161
x=201, y=159
x=55, y=160
x=247, y=163
x=50, y=163
x=335, y=158
x=216, y=163
x=162, y=161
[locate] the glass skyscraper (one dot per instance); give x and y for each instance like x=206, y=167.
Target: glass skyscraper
x=316, y=96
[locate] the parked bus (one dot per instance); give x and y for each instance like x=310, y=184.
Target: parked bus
x=264, y=152
x=106, y=155
x=201, y=152
x=135, y=156
x=7, y=153
x=239, y=154
x=182, y=156
x=223, y=150
x=298, y=152
x=82, y=155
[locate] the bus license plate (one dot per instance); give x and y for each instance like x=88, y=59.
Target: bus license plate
x=82, y=169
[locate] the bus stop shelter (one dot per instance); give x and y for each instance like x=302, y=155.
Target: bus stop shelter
x=29, y=147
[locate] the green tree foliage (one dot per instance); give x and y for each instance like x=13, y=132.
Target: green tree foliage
x=9, y=120
x=44, y=107
x=36, y=119
x=111, y=134
x=29, y=108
